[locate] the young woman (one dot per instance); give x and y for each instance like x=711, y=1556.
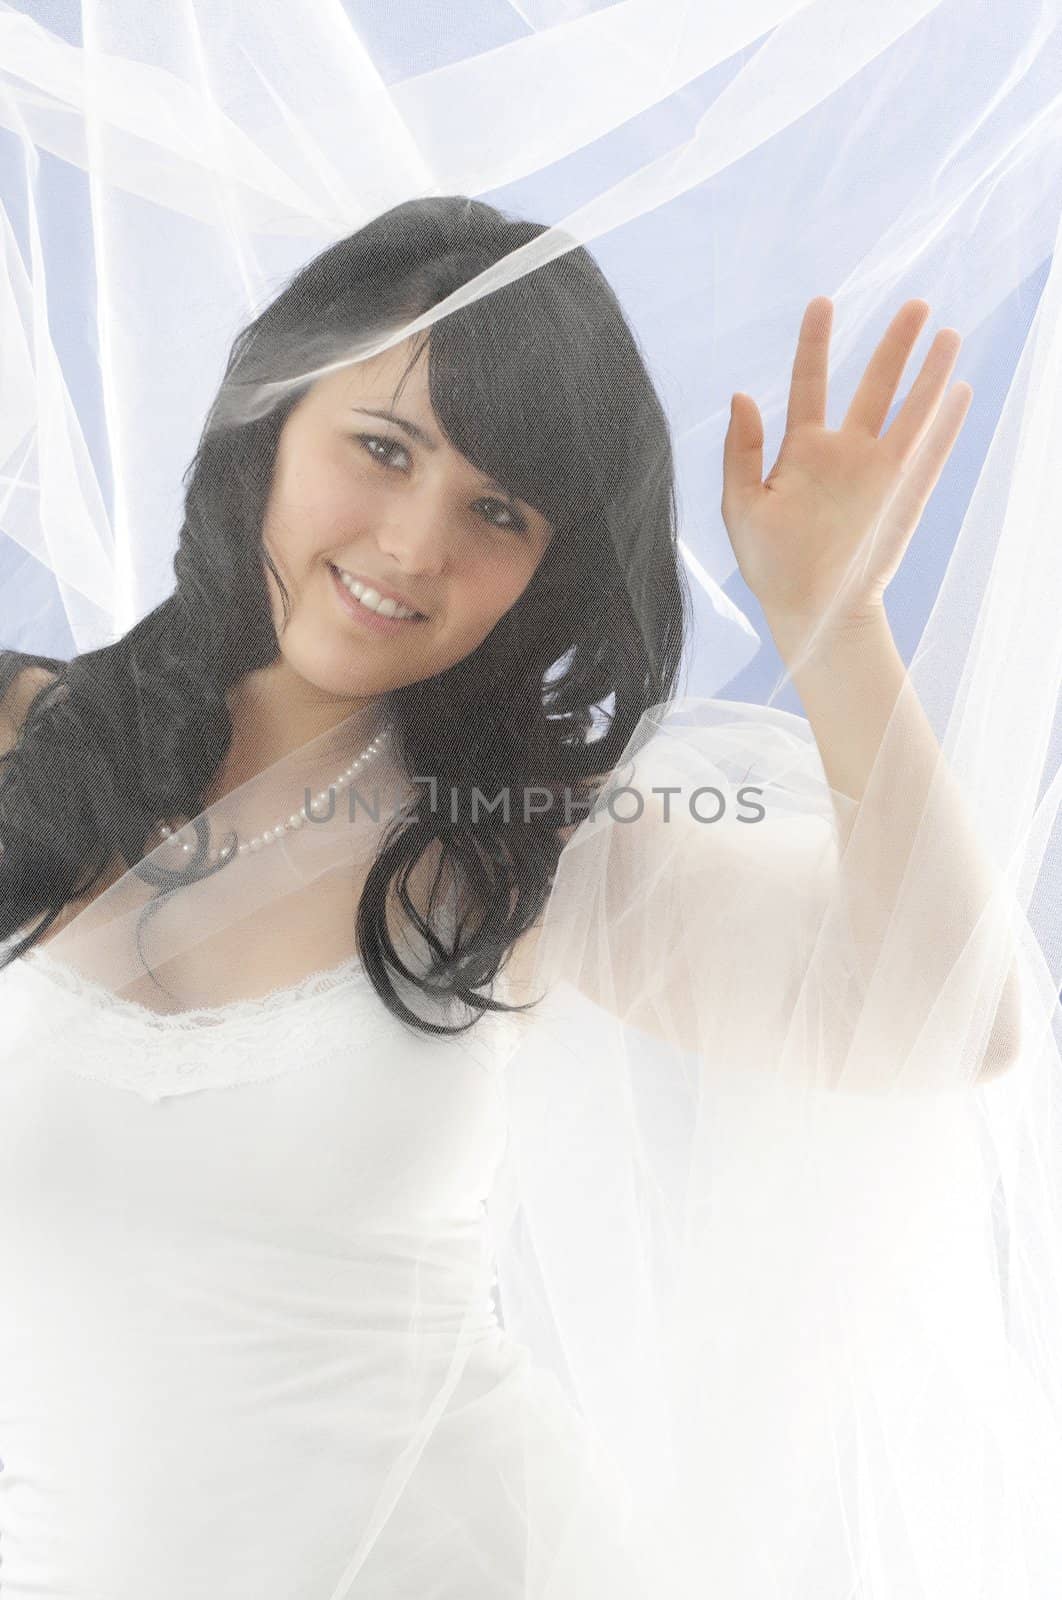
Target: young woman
x=284, y=1100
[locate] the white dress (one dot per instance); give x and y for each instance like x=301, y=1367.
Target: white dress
x=767, y=1322
x=215, y=1233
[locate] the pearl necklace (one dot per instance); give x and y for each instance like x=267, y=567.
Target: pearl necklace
x=297, y=819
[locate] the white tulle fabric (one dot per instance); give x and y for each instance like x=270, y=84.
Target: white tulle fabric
x=757, y=1230
x=778, y=1267
x=784, y=1229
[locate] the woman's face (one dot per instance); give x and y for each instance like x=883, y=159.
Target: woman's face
x=398, y=509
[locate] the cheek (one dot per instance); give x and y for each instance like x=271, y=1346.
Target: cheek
x=489, y=589
x=317, y=501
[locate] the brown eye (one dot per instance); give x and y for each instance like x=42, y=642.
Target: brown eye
x=517, y=525
x=368, y=439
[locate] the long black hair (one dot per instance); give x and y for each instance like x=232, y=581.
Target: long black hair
x=540, y=385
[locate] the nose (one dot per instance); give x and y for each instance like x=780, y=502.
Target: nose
x=414, y=534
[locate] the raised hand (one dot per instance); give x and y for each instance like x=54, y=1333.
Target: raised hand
x=819, y=540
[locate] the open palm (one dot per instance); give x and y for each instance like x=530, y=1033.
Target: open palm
x=825, y=532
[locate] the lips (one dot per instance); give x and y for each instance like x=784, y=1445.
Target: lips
x=381, y=589
x=364, y=617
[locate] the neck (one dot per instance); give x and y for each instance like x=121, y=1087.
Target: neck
x=274, y=712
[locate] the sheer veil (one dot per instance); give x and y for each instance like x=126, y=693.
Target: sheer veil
x=779, y=1232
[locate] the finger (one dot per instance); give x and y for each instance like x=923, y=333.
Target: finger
x=914, y=416
x=873, y=398
x=922, y=475
x=742, y=452
x=807, y=390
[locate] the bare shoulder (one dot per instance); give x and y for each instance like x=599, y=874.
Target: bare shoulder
x=520, y=963
x=523, y=953
x=587, y=791
x=520, y=959
x=16, y=702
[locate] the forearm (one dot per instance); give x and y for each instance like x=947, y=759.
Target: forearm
x=853, y=689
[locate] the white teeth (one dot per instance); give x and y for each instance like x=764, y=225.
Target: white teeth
x=371, y=599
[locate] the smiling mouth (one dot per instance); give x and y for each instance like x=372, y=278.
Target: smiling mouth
x=372, y=601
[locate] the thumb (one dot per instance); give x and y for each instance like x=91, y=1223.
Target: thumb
x=742, y=451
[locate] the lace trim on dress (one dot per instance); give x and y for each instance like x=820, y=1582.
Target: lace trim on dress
x=330, y=1013
x=156, y=1055
x=310, y=987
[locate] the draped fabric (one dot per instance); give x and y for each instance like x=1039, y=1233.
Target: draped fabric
x=773, y=1218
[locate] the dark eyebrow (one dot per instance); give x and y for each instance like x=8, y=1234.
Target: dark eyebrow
x=410, y=427
x=423, y=438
